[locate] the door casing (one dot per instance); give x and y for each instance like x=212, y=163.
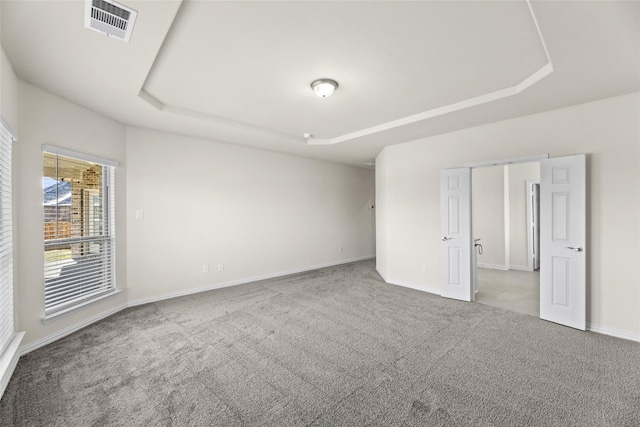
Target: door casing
x=533, y=224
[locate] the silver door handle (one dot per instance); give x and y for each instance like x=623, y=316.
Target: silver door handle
x=445, y=238
x=575, y=249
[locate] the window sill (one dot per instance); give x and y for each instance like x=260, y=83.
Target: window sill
x=62, y=313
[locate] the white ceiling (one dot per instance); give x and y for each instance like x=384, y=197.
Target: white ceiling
x=239, y=71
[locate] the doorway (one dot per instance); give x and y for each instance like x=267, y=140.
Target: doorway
x=505, y=217
x=562, y=235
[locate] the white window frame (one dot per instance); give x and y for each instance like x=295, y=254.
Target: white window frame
x=52, y=312
x=7, y=329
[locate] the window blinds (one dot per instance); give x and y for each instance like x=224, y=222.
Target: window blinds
x=6, y=242
x=79, y=235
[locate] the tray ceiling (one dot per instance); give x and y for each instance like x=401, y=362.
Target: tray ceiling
x=253, y=62
x=239, y=71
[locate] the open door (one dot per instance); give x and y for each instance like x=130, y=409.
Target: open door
x=455, y=224
x=562, y=240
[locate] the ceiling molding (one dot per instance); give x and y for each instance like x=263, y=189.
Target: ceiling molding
x=439, y=111
x=531, y=80
x=217, y=120
x=534, y=78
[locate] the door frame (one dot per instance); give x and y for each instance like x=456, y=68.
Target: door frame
x=537, y=158
x=530, y=222
x=508, y=161
x=490, y=163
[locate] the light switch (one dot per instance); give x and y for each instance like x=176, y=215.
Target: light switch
x=139, y=214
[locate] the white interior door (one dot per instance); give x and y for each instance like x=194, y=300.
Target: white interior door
x=562, y=240
x=455, y=224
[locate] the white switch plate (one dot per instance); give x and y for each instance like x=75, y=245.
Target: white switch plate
x=220, y=267
x=140, y=214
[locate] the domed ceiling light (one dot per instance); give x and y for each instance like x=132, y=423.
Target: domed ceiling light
x=324, y=88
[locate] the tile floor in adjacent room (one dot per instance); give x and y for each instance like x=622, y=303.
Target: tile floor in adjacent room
x=513, y=290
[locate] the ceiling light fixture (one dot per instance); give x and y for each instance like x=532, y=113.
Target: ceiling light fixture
x=324, y=88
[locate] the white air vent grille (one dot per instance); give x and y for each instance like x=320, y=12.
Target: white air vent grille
x=110, y=18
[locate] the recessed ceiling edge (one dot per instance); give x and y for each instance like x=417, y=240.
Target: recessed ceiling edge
x=534, y=78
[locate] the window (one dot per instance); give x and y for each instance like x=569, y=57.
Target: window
x=79, y=235
x=6, y=242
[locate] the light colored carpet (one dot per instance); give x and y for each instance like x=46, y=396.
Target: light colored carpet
x=331, y=347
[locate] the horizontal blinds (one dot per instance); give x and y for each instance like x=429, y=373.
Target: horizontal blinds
x=6, y=242
x=79, y=255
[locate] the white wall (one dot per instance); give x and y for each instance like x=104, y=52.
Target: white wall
x=9, y=115
x=48, y=119
x=519, y=174
x=8, y=92
x=488, y=215
x=500, y=214
x=257, y=212
x=607, y=130
x=383, y=197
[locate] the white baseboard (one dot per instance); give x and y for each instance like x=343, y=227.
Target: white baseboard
x=520, y=267
x=413, y=286
x=382, y=275
x=613, y=332
x=504, y=267
x=493, y=266
x=71, y=329
x=9, y=361
x=241, y=281
x=590, y=326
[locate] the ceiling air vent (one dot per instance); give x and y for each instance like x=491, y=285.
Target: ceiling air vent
x=110, y=18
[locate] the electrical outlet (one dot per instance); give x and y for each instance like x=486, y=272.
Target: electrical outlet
x=205, y=268
x=424, y=269
x=220, y=267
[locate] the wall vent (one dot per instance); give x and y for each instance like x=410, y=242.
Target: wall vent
x=110, y=18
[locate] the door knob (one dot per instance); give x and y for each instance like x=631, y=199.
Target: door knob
x=445, y=238
x=575, y=249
